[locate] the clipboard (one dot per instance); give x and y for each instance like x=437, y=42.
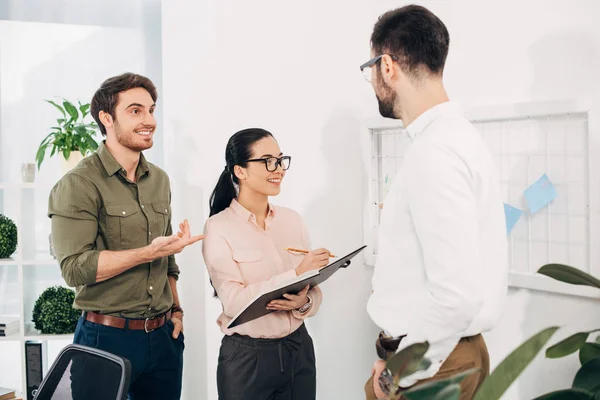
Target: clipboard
x=258, y=306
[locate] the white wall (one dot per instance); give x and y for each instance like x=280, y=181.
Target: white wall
x=293, y=69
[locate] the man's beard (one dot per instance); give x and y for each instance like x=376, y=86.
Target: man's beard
x=129, y=140
x=387, y=100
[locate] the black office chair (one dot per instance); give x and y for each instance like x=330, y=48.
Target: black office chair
x=84, y=373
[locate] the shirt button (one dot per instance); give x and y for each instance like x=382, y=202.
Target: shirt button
x=124, y=213
x=149, y=233
x=166, y=210
x=150, y=288
x=142, y=206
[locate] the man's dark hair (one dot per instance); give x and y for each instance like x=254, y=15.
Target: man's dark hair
x=416, y=36
x=106, y=98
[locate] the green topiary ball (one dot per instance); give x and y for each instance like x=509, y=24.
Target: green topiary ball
x=53, y=312
x=8, y=237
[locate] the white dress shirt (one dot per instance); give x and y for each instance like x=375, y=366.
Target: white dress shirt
x=441, y=271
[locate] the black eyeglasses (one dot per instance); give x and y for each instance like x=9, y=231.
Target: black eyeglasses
x=366, y=67
x=272, y=163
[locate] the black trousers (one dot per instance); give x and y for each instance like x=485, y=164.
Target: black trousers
x=267, y=369
x=156, y=361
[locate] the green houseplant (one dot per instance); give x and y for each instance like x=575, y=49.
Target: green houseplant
x=586, y=384
x=53, y=311
x=72, y=137
x=8, y=237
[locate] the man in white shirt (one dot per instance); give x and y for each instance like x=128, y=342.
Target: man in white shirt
x=441, y=270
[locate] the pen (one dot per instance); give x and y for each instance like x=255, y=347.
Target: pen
x=301, y=251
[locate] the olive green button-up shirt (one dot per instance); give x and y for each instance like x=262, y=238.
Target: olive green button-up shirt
x=94, y=207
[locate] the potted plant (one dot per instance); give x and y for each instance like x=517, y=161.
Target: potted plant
x=53, y=311
x=73, y=137
x=8, y=237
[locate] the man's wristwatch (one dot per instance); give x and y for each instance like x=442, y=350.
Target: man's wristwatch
x=306, y=307
x=175, y=308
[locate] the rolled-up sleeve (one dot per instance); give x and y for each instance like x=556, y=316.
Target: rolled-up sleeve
x=73, y=207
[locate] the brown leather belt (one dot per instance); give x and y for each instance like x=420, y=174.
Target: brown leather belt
x=148, y=324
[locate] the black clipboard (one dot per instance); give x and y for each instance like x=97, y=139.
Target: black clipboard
x=258, y=307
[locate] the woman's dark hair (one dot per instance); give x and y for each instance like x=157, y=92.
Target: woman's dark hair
x=237, y=152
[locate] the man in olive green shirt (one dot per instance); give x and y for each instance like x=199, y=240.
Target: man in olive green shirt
x=111, y=230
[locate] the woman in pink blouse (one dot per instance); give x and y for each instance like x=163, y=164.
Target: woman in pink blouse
x=271, y=357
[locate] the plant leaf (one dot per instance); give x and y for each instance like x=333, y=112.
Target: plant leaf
x=39, y=156
x=408, y=360
x=568, y=346
x=427, y=390
x=588, y=352
x=84, y=108
x=511, y=367
x=568, y=274
x=588, y=376
x=71, y=109
x=567, y=394
x=62, y=111
x=66, y=153
x=92, y=143
x=451, y=392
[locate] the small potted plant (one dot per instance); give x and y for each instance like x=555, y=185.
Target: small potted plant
x=73, y=137
x=8, y=237
x=53, y=311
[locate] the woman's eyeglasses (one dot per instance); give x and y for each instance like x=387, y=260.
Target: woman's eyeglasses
x=271, y=163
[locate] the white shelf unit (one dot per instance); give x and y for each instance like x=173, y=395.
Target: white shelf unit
x=28, y=272
x=526, y=140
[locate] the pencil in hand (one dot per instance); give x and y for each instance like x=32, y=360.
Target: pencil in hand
x=302, y=251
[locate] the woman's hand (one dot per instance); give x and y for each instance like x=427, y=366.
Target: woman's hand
x=293, y=302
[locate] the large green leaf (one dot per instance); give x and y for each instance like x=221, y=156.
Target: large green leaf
x=62, y=111
x=567, y=394
x=511, y=367
x=588, y=376
x=84, y=108
x=71, y=109
x=568, y=346
x=408, y=360
x=39, y=156
x=451, y=392
x=428, y=390
x=588, y=352
x=565, y=273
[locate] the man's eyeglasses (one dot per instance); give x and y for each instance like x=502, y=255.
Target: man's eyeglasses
x=366, y=67
x=272, y=163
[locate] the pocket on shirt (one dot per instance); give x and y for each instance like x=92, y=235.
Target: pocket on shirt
x=121, y=226
x=162, y=212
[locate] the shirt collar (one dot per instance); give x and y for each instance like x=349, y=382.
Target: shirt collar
x=422, y=122
x=245, y=214
x=112, y=166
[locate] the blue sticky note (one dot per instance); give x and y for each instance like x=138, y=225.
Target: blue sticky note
x=540, y=194
x=511, y=215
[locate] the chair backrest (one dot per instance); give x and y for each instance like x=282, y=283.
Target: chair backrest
x=85, y=373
